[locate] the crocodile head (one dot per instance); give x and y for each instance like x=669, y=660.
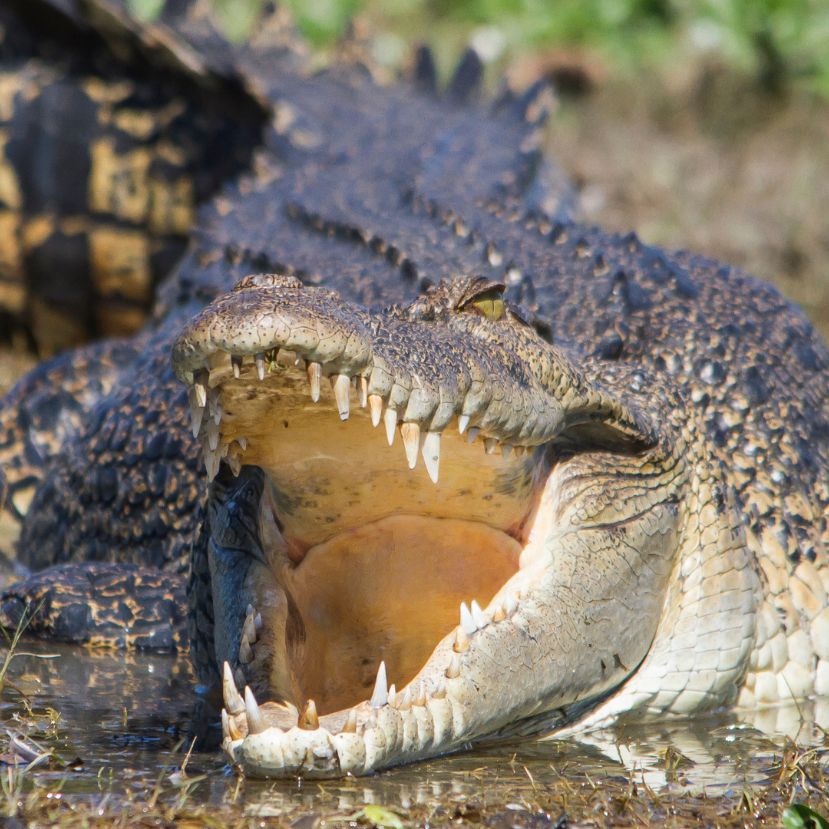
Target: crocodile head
x=425, y=525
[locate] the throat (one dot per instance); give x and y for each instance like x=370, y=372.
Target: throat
x=386, y=591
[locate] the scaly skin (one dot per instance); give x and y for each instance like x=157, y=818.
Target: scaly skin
x=659, y=549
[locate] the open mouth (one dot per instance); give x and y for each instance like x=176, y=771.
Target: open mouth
x=369, y=552
x=383, y=489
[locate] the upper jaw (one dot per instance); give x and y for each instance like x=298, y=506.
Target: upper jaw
x=413, y=374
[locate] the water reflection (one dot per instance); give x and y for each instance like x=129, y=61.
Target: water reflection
x=127, y=717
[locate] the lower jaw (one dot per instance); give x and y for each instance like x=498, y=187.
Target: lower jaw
x=385, y=592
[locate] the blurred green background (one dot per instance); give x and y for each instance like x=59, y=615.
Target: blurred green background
x=778, y=42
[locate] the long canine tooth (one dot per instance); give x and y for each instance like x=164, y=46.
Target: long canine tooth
x=375, y=403
x=410, y=433
x=363, y=389
x=490, y=445
x=350, y=726
x=472, y=435
x=308, y=719
x=380, y=695
x=392, y=694
x=314, y=376
x=233, y=701
x=212, y=430
x=454, y=669
x=211, y=462
x=236, y=365
x=256, y=722
x=196, y=411
x=260, y=365
x=467, y=622
x=431, y=454
x=200, y=386
x=390, y=422
x=463, y=422
x=341, y=384
x=478, y=616
x=461, y=644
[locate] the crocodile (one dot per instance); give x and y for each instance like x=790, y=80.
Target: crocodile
x=432, y=461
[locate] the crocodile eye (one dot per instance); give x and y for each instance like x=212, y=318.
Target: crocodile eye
x=489, y=304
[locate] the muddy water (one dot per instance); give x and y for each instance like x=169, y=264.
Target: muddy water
x=124, y=719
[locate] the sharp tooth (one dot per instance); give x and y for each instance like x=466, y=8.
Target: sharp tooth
x=405, y=702
x=500, y=614
x=472, y=435
x=454, y=669
x=229, y=727
x=236, y=365
x=392, y=694
x=461, y=644
x=341, y=384
x=467, y=622
x=410, y=433
x=375, y=403
x=256, y=722
x=380, y=695
x=390, y=422
x=350, y=726
x=257, y=622
x=308, y=719
x=260, y=365
x=478, y=616
x=510, y=605
x=245, y=652
x=243, y=442
x=314, y=375
x=363, y=387
x=196, y=412
x=463, y=422
x=249, y=628
x=212, y=430
x=233, y=701
x=506, y=450
x=211, y=463
x=200, y=387
x=420, y=697
x=490, y=445
x=431, y=454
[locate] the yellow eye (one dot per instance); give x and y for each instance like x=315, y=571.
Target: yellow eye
x=489, y=304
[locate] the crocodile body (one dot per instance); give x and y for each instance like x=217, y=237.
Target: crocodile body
x=641, y=516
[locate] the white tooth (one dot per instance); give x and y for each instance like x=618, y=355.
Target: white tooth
x=257, y=622
x=196, y=416
x=390, y=422
x=256, y=722
x=341, y=384
x=314, y=375
x=490, y=445
x=212, y=430
x=472, y=435
x=478, y=616
x=431, y=454
x=375, y=403
x=236, y=365
x=260, y=365
x=467, y=622
x=463, y=422
x=243, y=442
x=211, y=463
x=363, y=388
x=510, y=605
x=506, y=450
x=410, y=432
x=380, y=695
x=233, y=701
x=200, y=387
x=392, y=694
